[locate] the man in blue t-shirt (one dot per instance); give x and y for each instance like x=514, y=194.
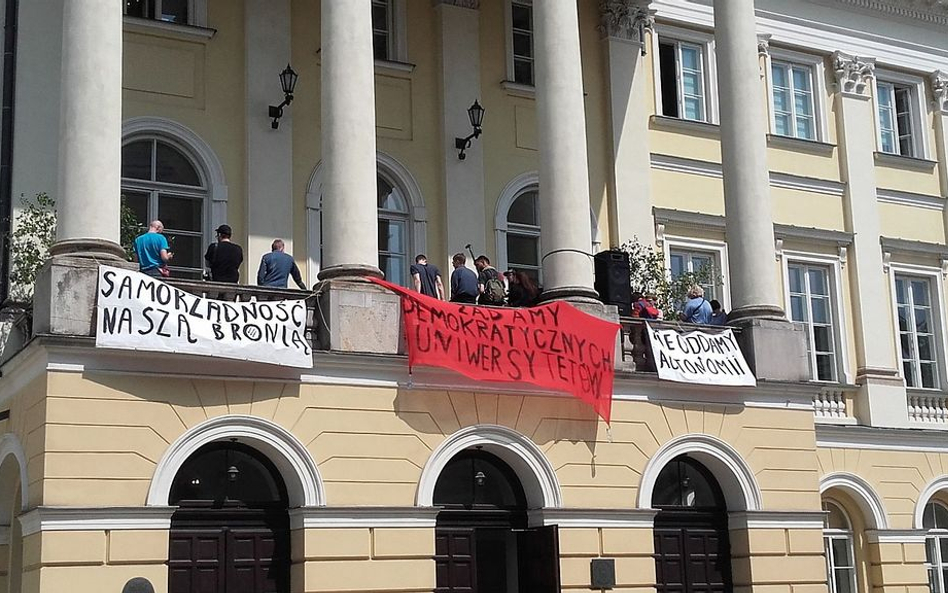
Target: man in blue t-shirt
x=277, y=266
x=151, y=250
x=697, y=309
x=463, y=281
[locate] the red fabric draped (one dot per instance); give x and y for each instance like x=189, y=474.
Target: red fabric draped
x=555, y=346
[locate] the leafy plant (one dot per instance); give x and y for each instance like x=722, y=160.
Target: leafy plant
x=649, y=275
x=130, y=228
x=34, y=231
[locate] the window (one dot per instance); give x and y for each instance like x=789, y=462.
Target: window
x=520, y=68
x=897, y=119
x=792, y=96
x=811, y=306
x=704, y=264
x=838, y=543
x=682, y=79
x=523, y=234
x=169, y=11
x=160, y=181
x=935, y=520
x=393, y=232
x=382, y=29
x=916, y=331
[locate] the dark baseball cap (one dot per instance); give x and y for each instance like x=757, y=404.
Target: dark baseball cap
x=224, y=229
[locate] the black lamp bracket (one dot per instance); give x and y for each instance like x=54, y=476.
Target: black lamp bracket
x=462, y=144
x=276, y=111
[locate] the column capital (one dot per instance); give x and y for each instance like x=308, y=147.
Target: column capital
x=939, y=81
x=763, y=44
x=625, y=19
x=472, y=4
x=853, y=73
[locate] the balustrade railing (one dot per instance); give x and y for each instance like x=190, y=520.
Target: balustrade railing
x=928, y=408
x=831, y=405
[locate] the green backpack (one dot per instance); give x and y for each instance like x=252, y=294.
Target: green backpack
x=494, y=291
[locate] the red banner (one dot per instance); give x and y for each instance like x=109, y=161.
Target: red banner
x=556, y=345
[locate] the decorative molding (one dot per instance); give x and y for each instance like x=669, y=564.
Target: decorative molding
x=731, y=471
x=678, y=164
x=816, y=147
x=939, y=82
x=472, y=4
x=763, y=44
x=870, y=503
x=155, y=26
x=904, y=162
x=362, y=517
x=96, y=518
x=893, y=245
x=932, y=488
x=698, y=220
x=880, y=439
x=595, y=518
x=677, y=124
x=659, y=234
x=625, y=19
x=10, y=446
x=775, y=520
x=929, y=11
x=807, y=184
x=843, y=254
x=778, y=248
x=534, y=470
x=886, y=261
x=853, y=74
x=903, y=198
x=810, y=234
x=294, y=462
x=896, y=536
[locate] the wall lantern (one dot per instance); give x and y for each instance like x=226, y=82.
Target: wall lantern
x=287, y=82
x=475, y=113
x=232, y=473
x=480, y=479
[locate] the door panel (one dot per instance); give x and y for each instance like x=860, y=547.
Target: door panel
x=539, y=559
x=455, y=564
x=694, y=557
x=194, y=561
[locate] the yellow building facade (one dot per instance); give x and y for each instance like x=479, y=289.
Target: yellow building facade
x=202, y=474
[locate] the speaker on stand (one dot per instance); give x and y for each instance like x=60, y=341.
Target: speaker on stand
x=612, y=280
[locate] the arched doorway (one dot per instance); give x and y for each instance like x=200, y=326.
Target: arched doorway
x=692, y=548
x=482, y=543
x=231, y=531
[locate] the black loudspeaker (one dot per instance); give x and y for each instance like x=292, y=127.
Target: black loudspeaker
x=612, y=280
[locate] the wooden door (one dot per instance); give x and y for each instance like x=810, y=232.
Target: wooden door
x=196, y=561
x=253, y=561
x=692, y=558
x=538, y=551
x=455, y=560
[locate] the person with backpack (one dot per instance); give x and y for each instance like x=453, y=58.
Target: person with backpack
x=697, y=309
x=427, y=278
x=490, y=287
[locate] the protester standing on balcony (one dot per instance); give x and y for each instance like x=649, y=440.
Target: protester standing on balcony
x=697, y=309
x=463, y=281
x=277, y=266
x=490, y=287
x=643, y=308
x=427, y=277
x=521, y=290
x=718, y=314
x=224, y=257
x=152, y=251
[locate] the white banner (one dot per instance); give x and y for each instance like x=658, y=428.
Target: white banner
x=699, y=357
x=138, y=312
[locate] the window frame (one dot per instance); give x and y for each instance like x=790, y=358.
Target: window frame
x=197, y=14
x=508, y=34
x=933, y=538
x=525, y=230
x=705, y=41
x=916, y=87
x=835, y=534
x=718, y=251
x=397, y=51
x=816, y=65
x=833, y=265
x=936, y=290
x=403, y=218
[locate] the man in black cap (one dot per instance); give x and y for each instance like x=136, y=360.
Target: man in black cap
x=224, y=257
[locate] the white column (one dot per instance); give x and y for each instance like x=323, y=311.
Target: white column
x=561, y=131
x=350, y=210
x=881, y=398
x=90, y=145
x=269, y=152
x=939, y=81
x=461, y=85
x=747, y=202
x=623, y=23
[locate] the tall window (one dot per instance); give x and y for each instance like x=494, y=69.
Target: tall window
x=838, y=542
x=897, y=134
x=393, y=232
x=170, y=11
x=523, y=234
x=683, y=74
x=935, y=520
x=383, y=29
x=811, y=307
x=793, y=100
x=160, y=181
x=703, y=263
x=916, y=331
x=521, y=41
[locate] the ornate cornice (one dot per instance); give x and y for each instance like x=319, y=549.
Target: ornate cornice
x=940, y=91
x=625, y=19
x=930, y=11
x=853, y=74
x=472, y=4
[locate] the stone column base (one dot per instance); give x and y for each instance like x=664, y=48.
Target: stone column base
x=775, y=350
x=358, y=316
x=90, y=248
x=881, y=399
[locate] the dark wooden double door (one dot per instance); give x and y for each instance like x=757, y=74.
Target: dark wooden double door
x=692, y=552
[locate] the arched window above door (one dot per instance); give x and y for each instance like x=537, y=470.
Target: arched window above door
x=685, y=483
x=477, y=479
